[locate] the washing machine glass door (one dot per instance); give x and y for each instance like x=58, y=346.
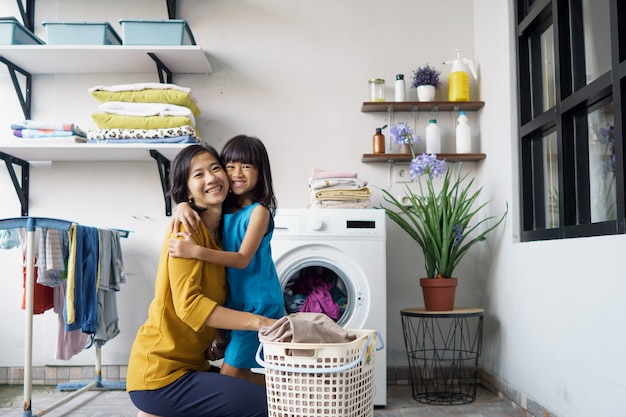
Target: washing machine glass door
x=324, y=279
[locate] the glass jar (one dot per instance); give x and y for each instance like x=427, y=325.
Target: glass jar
x=377, y=89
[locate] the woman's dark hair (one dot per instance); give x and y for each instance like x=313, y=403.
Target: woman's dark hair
x=250, y=150
x=179, y=171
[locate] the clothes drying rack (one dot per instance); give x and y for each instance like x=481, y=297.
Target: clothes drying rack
x=30, y=224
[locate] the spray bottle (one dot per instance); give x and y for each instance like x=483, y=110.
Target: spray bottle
x=458, y=81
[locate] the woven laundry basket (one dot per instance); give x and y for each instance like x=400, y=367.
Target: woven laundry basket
x=320, y=380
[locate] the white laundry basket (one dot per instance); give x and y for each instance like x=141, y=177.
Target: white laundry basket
x=320, y=380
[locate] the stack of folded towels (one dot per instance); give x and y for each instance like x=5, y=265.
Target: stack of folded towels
x=38, y=132
x=338, y=190
x=144, y=113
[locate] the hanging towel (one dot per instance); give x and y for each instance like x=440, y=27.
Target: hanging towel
x=81, y=306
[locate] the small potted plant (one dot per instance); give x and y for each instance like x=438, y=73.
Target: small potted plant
x=426, y=81
x=404, y=136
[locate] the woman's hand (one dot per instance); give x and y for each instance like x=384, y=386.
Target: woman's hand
x=185, y=215
x=182, y=248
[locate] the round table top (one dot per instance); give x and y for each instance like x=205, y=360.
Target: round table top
x=457, y=312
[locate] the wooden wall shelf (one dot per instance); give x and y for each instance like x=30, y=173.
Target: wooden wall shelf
x=383, y=106
x=403, y=157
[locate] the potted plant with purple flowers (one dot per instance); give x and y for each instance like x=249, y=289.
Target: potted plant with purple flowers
x=440, y=221
x=404, y=136
x=426, y=81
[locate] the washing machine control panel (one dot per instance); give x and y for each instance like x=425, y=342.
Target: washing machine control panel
x=330, y=223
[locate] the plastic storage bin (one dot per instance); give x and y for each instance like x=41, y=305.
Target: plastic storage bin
x=320, y=380
x=156, y=32
x=13, y=32
x=81, y=33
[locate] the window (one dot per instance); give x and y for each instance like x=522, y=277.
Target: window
x=571, y=59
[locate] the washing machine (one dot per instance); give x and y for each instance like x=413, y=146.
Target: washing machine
x=345, y=251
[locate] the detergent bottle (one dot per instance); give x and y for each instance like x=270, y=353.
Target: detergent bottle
x=458, y=81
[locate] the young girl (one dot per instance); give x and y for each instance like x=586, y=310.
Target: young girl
x=248, y=226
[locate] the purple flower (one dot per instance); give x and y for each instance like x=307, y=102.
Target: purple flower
x=458, y=234
x=426, y=75
x=402, y=134
x=606, y=135
x=427, y=164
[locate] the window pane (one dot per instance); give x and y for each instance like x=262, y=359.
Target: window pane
x=548, y=89
x=596, y=29
x=551, y=180
x=602, y=164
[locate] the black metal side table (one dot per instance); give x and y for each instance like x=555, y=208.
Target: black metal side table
x=443, y=348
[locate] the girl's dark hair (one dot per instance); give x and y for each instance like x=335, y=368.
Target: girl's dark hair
x=250, y=150
x=179, y=170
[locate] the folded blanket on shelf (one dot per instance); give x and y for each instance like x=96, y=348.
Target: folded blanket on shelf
x=139, y=87
x=120, y=133
x=343, y=183
x=41, y=133
x=341, y=194
x=51, y=126
x=43, y=140
x=174, y=139
x=146, y=109
x=317, y=174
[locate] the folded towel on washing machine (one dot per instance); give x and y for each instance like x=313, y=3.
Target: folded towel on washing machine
x=305, y=328
x=338, y=204
x=317, y=174
x=344, y=194
x=343, y=183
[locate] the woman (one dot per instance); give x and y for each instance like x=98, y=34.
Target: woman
x=168, y=371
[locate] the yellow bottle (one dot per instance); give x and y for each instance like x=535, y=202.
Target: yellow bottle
x=458, y=80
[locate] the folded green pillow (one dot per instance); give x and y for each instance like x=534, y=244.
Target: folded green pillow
x=171, y=96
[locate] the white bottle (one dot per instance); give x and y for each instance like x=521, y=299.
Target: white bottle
x=400, y=88
x=463, y=134
x=433, y=137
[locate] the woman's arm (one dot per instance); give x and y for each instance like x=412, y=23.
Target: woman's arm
x=185, y=247
x=225, y=318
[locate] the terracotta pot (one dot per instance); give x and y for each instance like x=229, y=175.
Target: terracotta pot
x=438, y=293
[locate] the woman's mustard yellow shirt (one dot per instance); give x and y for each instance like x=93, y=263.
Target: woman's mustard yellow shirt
x=173, y=340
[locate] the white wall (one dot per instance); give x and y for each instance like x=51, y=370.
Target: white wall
x=295, y=74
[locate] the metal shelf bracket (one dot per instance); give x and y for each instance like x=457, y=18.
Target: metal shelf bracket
x=20, y=189
x=23, y=96
x=163, y=164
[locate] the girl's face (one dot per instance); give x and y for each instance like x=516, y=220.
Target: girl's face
x=243, y=177
x=207, y=182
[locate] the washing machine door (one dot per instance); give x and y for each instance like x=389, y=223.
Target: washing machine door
x=317, y=276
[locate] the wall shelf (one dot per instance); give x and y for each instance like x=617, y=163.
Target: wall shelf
x=22, y=155
x=105, y=59
x=383, y=106
x=403, y=157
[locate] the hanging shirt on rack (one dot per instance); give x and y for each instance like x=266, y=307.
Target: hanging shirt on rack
x=111, y=267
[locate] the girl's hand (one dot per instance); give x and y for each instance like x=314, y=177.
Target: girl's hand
x=189, y=218
x=182, y=248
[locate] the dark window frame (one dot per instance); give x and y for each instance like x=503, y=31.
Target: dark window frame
x=568, y=116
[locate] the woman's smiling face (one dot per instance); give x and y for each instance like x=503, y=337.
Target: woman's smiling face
x=207, y=182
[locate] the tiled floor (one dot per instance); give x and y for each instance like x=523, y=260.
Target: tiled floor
x=118, y=404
